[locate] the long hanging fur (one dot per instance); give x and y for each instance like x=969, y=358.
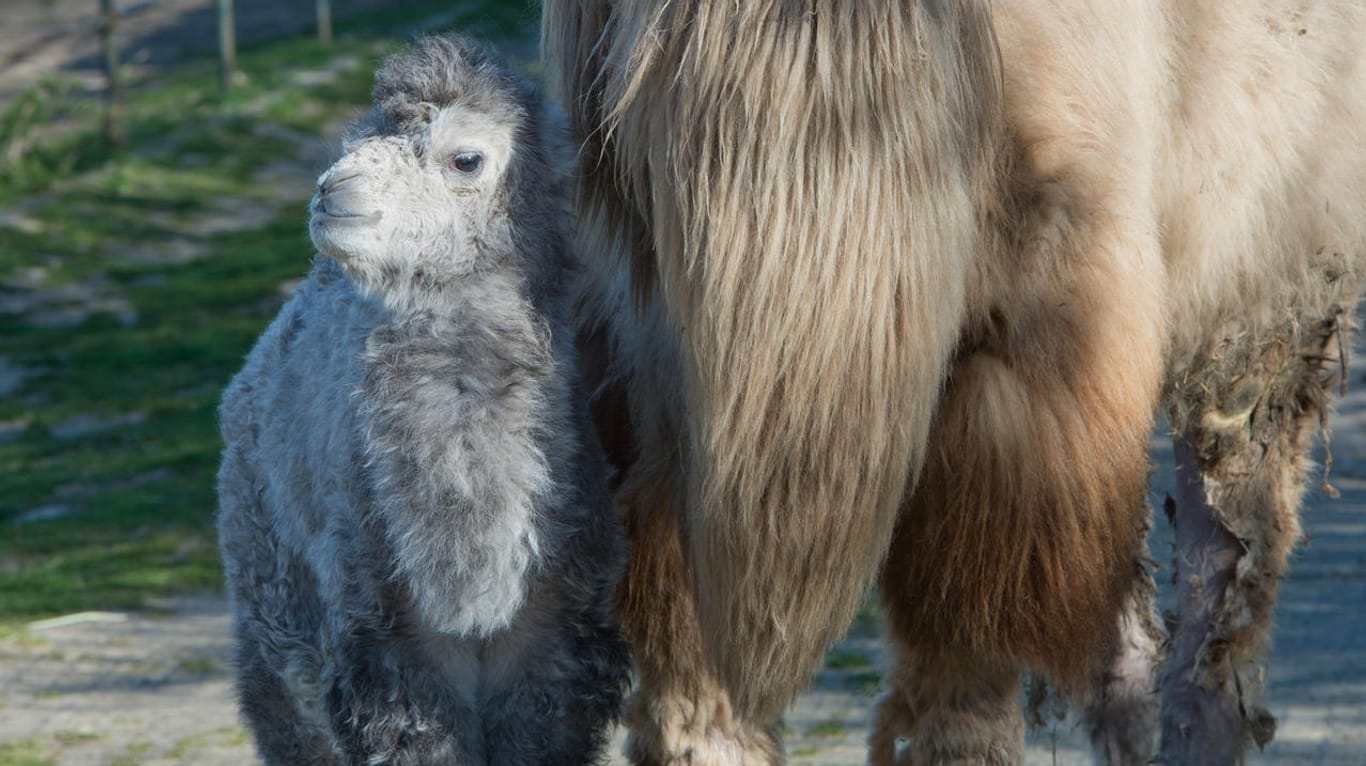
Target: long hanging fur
x=855, y=253
x=805, y=315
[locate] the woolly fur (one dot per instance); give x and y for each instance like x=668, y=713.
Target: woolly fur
x=895, y=288
x=415, y=521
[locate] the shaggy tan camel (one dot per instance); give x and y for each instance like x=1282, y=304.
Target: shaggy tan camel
x=890, y=291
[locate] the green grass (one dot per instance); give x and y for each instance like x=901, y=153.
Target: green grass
x=131, y=496
x=846, y=659
x=864, y=681
x=832, y=727
x=25, y=752
x=68, y=738
x=227, y=736
x=199, y=665
x=133, y=755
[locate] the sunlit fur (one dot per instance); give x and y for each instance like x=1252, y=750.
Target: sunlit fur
x=415, y=521
x=907, y=281
x=820, y=299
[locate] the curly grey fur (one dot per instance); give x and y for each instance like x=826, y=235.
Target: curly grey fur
x=415, y=522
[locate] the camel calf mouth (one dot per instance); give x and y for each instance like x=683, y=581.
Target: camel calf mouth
x=321, y=211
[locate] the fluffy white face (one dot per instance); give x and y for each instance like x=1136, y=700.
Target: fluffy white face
x=402, y=211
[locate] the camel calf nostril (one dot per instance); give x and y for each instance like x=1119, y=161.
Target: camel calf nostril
x=329, y=182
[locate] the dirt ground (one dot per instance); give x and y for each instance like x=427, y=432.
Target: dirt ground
x=117, y=689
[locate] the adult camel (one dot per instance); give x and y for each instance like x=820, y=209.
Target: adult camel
x=890, y=290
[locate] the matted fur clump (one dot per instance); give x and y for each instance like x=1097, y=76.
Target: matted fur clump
x=416, y=531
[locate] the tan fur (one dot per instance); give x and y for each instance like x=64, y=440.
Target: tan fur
x=803, y=292
x=947, y=709
x=1120, y=707
x=679, y=713
x=939, y=257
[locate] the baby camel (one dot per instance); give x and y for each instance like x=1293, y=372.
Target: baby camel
x=414, y=520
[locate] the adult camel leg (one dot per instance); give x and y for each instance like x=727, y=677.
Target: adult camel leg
x=1008, y=556
x=944, y=709
x=679, y=713
x=814, y=297
x=947, y=710
x=1120, y=712
x=1241, y=461
x=1021, y=544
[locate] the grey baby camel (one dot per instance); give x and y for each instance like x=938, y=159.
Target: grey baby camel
x=414, y=517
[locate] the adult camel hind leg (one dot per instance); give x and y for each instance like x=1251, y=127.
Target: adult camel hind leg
x=1242, y=455
x=947, y=710
x=1119, y=711
x=973, y=598
x=1022, y=542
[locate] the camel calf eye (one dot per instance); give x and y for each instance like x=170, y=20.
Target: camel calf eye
x=467, y=162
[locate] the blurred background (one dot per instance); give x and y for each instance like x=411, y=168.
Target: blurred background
x=136, y=269
x=154, y=177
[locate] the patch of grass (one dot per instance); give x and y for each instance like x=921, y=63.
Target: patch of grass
x=846, y=659
x=166, y=306
x=228, y=736
x=203, y=665
x=69, y=738
x=28, y=641
x=829, y=728
x=868, y=619
x=133, y=755
x=867, y=681
x=31, y=158
x=24, y=752
x=46, y=694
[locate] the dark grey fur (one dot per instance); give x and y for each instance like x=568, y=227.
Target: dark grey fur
x=414, y=518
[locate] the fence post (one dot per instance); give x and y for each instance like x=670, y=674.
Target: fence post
x=227, y=43
x=324, y=8
x=113, y=134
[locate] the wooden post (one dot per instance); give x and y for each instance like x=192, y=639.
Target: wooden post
x=324, y=8
x=113, y=133
x=227, y=43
